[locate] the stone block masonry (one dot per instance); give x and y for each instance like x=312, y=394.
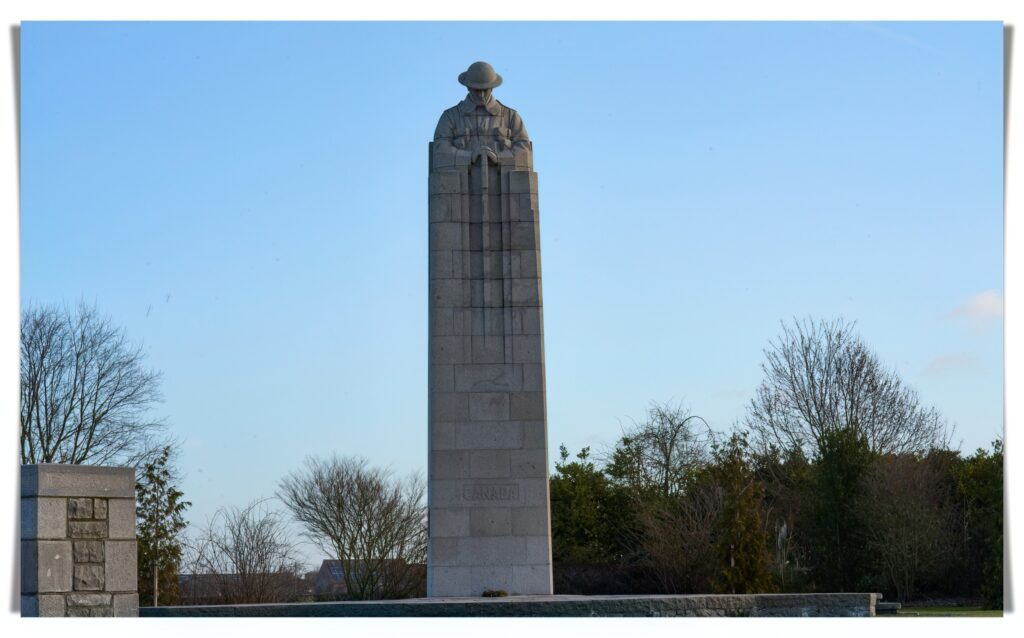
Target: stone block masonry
x=725, y=605
x=488, y=501
x=78, y=547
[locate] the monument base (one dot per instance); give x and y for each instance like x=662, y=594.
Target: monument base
x=829, y=605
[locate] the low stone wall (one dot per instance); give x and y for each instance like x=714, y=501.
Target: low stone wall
x=78, y=548
x=708, y=605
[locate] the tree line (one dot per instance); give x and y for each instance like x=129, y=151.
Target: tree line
x=839, y=478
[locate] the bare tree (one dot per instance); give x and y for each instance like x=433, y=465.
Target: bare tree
x=243, y=555
x=912, y=529
x=660, y=454
x=819, y=377
x=373, y=523
x=678, y=539
x=86, y=393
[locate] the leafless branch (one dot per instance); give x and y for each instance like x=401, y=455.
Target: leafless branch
x=243, y=555
x=86, y=394
x=373, y=523
x=661, y=453
x=820, y=377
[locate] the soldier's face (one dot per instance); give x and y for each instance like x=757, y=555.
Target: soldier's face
x=480, y=96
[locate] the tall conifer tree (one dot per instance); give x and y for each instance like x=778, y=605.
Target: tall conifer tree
x=160, y=521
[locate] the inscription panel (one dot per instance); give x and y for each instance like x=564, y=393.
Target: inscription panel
x=490, y=492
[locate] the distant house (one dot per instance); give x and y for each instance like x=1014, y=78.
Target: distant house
x=330, y=580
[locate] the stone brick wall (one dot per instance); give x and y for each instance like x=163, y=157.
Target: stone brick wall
x=726, y=605
x=78, y=547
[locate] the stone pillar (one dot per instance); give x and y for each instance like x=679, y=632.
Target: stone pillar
x=78, y=548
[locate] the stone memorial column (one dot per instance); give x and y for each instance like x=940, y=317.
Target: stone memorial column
x=78, y=548
x=489, y=519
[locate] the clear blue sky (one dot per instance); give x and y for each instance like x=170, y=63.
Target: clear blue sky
x=249, y=201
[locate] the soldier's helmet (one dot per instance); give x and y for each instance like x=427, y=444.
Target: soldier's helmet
x=480, y=75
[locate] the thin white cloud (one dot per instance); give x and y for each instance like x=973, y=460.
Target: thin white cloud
x=982, y=310
x=952, y=363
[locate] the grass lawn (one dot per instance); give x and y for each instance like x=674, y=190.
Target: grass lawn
x=976, y=612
